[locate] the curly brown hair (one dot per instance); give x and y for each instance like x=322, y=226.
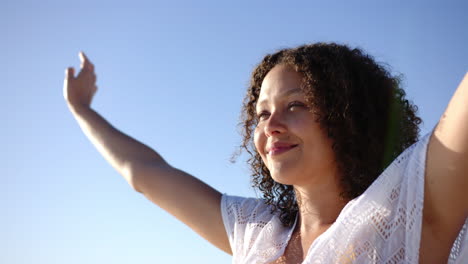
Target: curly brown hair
x=359, y=104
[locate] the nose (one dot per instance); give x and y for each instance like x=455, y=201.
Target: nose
x=275, y=124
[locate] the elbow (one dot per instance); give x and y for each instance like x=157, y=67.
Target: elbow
x=131, y=173
x=134, y=186
x=142, y=175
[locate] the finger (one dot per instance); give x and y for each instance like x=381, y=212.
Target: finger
x=83, y=56
x=69, y=73
x=85, y=62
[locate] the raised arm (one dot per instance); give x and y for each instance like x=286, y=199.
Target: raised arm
x=182, y=195
x=446, y=180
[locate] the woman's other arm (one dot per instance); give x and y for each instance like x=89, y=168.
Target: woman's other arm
x=446, y=179
x=182, y=195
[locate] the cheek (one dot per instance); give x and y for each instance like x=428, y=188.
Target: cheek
x=259, y=140
x=322, y=145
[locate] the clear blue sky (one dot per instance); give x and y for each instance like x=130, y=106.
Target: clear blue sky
x=171, y=74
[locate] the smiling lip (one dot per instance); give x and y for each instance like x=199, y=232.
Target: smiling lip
x=280, y=149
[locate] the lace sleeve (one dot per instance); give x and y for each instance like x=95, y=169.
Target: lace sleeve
x=244, y=220
x=459, y=252
x=235, y=211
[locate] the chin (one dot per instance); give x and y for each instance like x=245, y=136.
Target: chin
x=283, y=177
x=282, y=181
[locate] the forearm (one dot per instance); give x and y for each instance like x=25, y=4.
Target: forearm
x=121, y=151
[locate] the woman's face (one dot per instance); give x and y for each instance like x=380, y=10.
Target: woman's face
x=290, y=141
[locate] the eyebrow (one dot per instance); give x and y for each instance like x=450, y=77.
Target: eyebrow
x=287, y=93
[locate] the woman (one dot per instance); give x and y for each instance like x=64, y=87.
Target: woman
x=321, y=122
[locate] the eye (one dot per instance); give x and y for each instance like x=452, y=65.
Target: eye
x=262, y=115
x=296, y=104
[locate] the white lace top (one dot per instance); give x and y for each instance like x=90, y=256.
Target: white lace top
x=383, y=225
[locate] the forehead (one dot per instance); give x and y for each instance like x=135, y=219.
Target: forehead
x=280, y=81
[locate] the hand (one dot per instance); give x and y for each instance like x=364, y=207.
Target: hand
x=79, y=91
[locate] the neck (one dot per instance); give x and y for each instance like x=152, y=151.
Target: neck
x=319, y=205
